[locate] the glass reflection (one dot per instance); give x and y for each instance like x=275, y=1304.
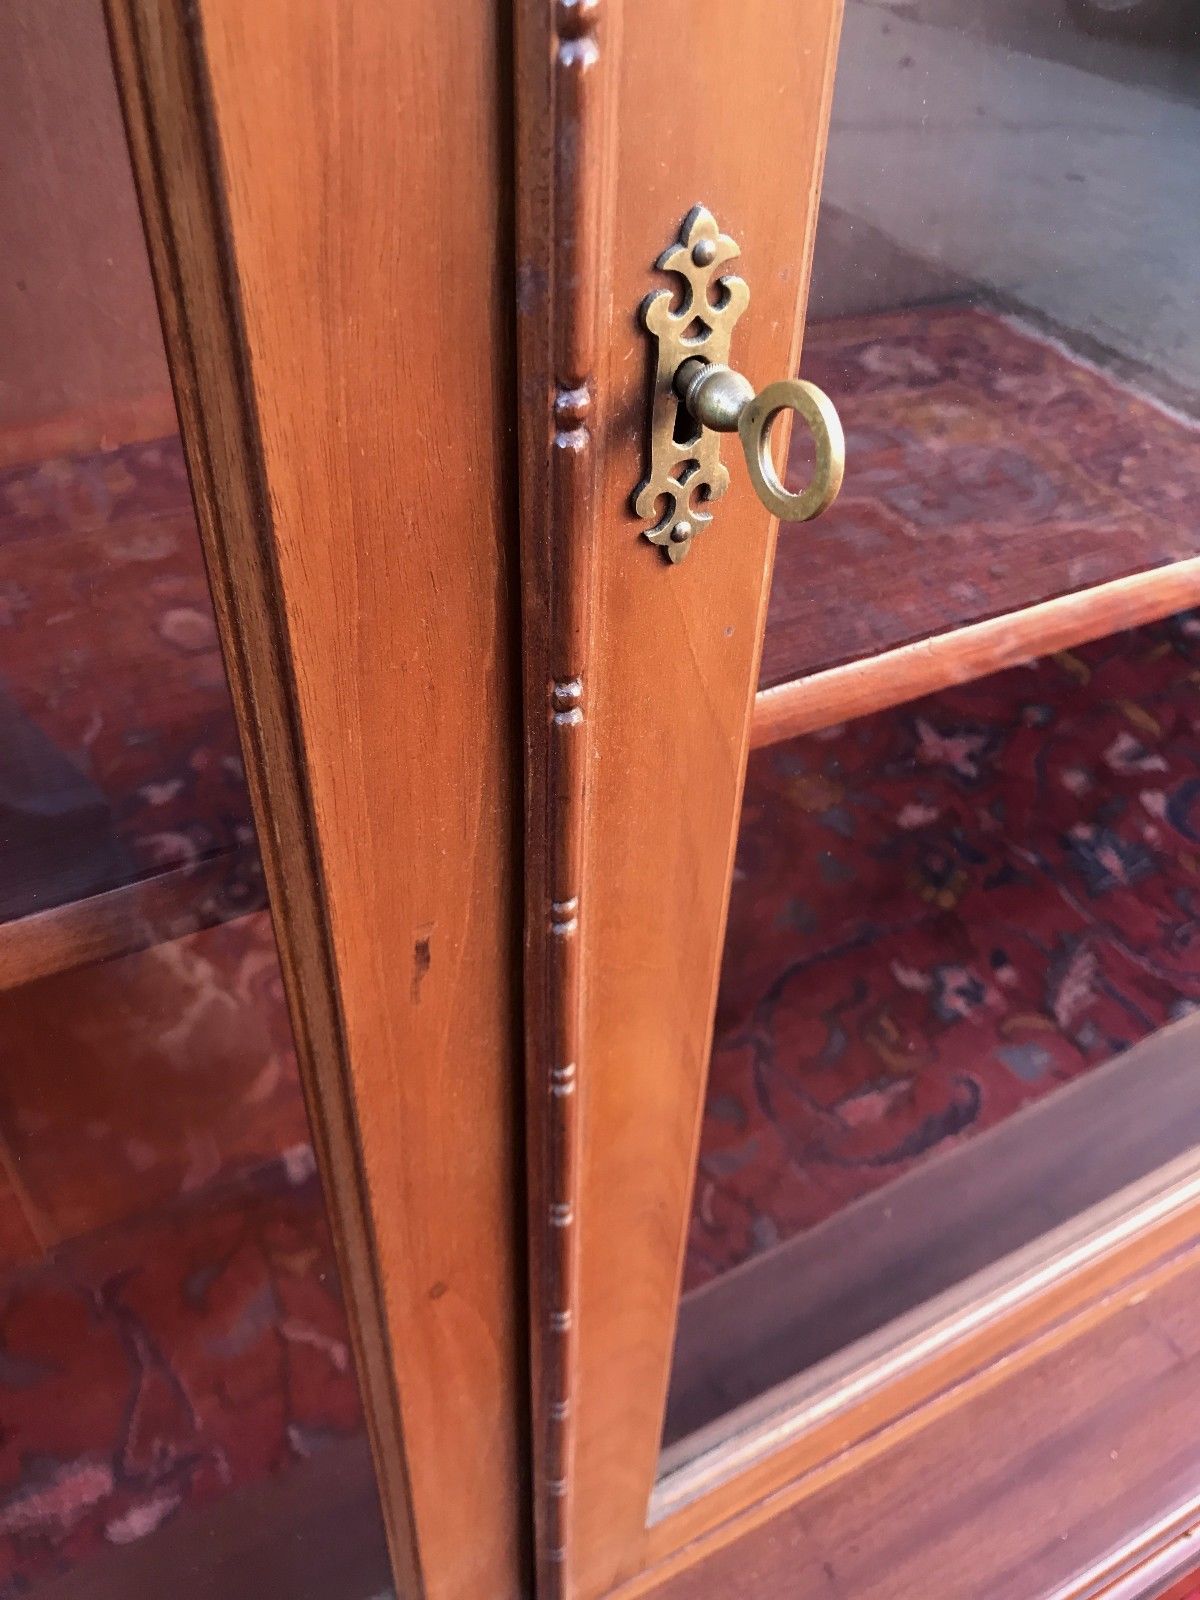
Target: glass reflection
x=178, y=1404
x=951, y=921
x=1004, y=308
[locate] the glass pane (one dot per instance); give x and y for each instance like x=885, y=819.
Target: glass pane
x=951, y=920
x=180, y=1410
x=1004, y=310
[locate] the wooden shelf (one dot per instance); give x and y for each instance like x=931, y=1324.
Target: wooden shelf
x=1067, y=1472
x=990, y=470
x=131, y=917
x=857, y=688
x=781, y=1313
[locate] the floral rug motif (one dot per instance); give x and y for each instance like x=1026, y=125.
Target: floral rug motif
x=109, y=649
x=129, y=1084
x=163, y=1364
x=987, y=468
x=171, y=1326
x=940, y=913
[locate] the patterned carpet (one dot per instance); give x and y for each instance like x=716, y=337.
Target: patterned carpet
x=987, y=469
x=171, y=1327
x=940, y=913
x=111, y=664
x=165, y=1364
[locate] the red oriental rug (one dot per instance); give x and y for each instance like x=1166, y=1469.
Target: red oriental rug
x=987, y=468
x=109, y=654
x=939, y=914
x=162, y=1364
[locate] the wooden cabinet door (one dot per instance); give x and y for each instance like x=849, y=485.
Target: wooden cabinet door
x=1001, y=511
x=334, y=281
x=640, y=678
x=401, y=253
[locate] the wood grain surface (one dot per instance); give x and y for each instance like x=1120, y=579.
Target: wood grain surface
x=673, y=655
x=338, y=319
x=806, y=705
x=931, y=1361
x=1056, y=1482
x=816, y=1295
x=101, y=926
x=566, y=54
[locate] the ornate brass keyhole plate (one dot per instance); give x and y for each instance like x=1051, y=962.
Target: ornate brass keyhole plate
x=697, y=397
x=687, y=472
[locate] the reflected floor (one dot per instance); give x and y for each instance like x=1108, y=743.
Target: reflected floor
x=171, y=1327
x=988, y=468
x=121, y=752
x=939, y=914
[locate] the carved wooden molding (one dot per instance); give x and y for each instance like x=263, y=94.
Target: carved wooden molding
x=562, y=221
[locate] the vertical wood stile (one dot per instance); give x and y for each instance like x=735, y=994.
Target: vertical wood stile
x=563, y=84
x=289, y=213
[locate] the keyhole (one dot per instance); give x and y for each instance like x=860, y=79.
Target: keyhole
x=686, y=429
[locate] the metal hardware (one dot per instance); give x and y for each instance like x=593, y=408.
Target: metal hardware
x=698, y=396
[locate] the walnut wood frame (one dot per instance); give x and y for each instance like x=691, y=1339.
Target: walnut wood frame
x=639, y=712
x=627, y=658
x=565, y=66
x=289, y=215
x=637, y=703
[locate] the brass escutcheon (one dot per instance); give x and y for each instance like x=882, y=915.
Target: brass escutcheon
x=698, y=396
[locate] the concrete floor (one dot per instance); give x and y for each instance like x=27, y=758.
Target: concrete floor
x=992, y=145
